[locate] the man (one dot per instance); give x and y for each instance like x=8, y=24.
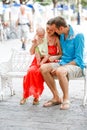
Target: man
x=24, y=22
x=70, y=65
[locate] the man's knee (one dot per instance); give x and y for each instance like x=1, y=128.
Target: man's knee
x=61, y=71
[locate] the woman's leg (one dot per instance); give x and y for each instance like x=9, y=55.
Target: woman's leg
x=33, y=84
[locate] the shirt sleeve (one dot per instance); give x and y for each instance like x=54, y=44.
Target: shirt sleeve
x=79, y=48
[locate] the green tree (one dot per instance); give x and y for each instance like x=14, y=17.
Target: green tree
x=84, y=3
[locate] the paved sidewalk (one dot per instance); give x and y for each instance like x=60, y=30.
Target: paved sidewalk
x=13, y=116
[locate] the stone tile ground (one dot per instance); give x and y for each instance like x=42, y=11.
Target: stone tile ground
x=13, y=116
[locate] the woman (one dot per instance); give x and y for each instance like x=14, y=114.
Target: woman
x=33, y=82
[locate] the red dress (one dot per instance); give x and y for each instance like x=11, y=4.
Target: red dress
x=33, y=82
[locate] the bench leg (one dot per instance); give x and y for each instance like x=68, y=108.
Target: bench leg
x=3, y=85
x=10, y=85
x=85, y=92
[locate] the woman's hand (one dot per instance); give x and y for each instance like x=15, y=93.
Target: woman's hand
x=54, y=58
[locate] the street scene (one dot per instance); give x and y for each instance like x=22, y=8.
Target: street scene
x=14, y=116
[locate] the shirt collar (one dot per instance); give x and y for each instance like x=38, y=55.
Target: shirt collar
x=71, y=34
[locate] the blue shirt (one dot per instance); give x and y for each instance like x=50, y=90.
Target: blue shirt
x=72, y=48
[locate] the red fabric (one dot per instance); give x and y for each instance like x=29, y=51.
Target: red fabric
x=33, y=82
x=52, y=50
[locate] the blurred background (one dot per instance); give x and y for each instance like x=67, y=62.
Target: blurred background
x=75, y=11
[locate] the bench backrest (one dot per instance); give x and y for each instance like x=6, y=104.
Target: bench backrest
x=20, y=61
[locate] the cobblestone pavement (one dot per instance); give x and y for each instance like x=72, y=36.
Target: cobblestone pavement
x=13, y=116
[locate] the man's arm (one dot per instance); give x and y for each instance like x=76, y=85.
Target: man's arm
x=79, y=50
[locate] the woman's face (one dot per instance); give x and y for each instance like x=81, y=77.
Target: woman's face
x=50, y=31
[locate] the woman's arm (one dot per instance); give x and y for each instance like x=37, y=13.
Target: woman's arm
x=54, y=58
x=44, y=60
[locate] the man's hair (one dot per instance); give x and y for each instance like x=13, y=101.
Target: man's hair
x=58, y=21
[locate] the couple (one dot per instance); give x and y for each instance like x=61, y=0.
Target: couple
x=70, y=65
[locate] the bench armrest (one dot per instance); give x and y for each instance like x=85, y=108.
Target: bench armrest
x=5, y=67
x=85, y=71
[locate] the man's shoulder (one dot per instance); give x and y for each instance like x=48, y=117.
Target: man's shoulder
x=79, y=35
x=79, y=38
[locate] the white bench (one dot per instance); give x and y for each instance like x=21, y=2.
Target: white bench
x=84, y=77
x=17, y=67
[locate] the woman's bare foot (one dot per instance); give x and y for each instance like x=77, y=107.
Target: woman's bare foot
x=23, y=101
x=35, y=101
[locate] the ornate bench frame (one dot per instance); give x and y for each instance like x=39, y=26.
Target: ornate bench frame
x=17, y=67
